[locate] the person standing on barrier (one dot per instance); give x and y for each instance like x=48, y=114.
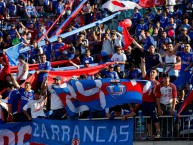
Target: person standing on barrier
x=166, y=95
x=149, y=101
x=182, y=82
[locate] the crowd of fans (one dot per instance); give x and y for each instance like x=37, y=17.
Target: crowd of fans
x=152, y=48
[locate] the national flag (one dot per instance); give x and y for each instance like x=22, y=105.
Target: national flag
x=150, y=3
x=128, y=40
x=116, y=5
x=81, y=95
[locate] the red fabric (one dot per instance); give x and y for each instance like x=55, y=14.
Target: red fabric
x=32, y=79
x=186, y=102
x=34, y=33
x=149, y=96
x=127, y=38
x=52, y=24
x=6, y=69
x=69, y=20
x=35, y=66
x=67, y=75
x=150, y=3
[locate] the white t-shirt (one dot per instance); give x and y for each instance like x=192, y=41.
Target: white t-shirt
x=36, y=107
x=56, y=103
x=119, y=58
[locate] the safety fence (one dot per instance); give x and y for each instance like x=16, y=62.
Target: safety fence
x=171, y=128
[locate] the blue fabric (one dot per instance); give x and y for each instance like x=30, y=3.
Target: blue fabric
x=25, y=97
x=43, y=66
x=99, y=94
x=13, y=99
x=13, y=52
x=83, y=132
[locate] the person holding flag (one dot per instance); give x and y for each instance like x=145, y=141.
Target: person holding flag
x=56, y=104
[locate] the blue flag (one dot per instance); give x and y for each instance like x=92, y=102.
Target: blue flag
x=78, y=96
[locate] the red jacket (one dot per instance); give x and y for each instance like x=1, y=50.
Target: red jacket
x=5, y=70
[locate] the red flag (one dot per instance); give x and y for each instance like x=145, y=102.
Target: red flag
x=127, y=38
x=150, y=3
x=67, y=74
x=32, y=79
x=186, y=102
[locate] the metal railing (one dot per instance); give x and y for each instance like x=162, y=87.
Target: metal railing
x=171, y=128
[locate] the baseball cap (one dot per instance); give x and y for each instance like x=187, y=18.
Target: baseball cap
x=185, y=29
x=57, y=78
x=111, y=66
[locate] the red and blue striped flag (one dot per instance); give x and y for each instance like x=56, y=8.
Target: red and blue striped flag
x=81, y=95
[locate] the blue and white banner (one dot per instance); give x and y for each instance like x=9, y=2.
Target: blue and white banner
x=15, y=133
x=91, y=132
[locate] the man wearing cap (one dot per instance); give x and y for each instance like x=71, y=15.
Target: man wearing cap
x=184, y=38
x=119, y=58
x=56, y=104
x=22, y=69
x=111, y=73
x=140, y=27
